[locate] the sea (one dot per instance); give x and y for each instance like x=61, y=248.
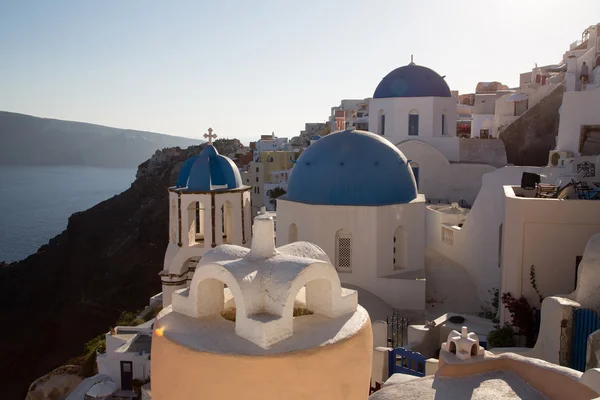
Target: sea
x=36, y=202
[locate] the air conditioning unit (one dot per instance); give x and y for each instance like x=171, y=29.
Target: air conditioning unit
x=557, y=157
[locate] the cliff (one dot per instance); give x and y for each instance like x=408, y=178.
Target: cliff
x=28, y=140
x=530, y=137
x=105, y=262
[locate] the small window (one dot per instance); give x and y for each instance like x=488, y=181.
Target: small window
x=343, y=251
x=257, y=179
x=256, y=169
x=257, y=190
x=484, y=133
x=447, y=236
x=413, y=123
x=443, y=124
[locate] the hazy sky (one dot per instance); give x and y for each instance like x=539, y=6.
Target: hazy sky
x=246, y=68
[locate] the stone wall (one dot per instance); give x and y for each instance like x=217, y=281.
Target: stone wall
x=529, y=139
x=483, y=151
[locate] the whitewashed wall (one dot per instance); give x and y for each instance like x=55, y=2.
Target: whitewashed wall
x=482, y=121
x=372, y=231
x=548, y=234
x=578, y=108
x=440, y=179
x=475, y=245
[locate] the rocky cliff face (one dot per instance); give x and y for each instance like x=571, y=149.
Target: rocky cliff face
x=529, y=138
x=105, y=262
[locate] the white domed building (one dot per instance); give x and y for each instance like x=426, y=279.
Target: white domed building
x=353, y=194
x=209, y=206
x=413, y=108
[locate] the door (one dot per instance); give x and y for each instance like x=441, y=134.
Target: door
x=126, y=375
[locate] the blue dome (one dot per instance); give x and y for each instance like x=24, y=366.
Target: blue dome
x=412, y=81
x=209, y=171
x=352, y=168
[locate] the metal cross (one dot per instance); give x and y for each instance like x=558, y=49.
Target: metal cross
x=210, y=135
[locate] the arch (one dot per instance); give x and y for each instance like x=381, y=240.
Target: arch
x=400, y=248
x=196, y=221
x=292, y=233
x=323, y=291
x=474, y=349
x=227, y=222
x=381, y=119
x=205, y=295
x=413, y=123
x=343, y=250
x=452, y=347
x=466, y=101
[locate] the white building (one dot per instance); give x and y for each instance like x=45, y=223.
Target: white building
x=127, y=355
x=413, y=108
x=270, y=143
x=353, y=194
x=208, y=206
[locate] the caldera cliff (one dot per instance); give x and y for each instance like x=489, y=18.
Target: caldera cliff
x=74, y=288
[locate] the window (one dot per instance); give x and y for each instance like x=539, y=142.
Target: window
x=399, y=248
x=257, y=179
x=447, y=236
x=577, y=262
x=257, y=190
x=293, y=233
x=256, y=169
x=443, y=124
x=195, y=223
x=413, y=123
x=381, y=123
x=343, y=250
x=227, y=222
x=484, y=133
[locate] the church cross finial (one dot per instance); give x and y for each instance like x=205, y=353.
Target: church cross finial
x=210, y=135
x=411, y=60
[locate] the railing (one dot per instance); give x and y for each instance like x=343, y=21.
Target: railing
x=397, y=329
x=403, y=361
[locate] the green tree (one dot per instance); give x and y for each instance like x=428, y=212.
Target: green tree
x=274, y=194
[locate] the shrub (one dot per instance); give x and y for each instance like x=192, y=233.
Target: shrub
x=129, y=319
x=490, y=310
x=523, y=316
x=501, y=337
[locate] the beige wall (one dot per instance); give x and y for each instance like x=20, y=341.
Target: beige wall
x=557, y=383
x=334, y=372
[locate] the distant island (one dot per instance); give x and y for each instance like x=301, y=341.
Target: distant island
x=29, y=140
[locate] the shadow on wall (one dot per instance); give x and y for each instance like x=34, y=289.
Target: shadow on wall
x=529, y=138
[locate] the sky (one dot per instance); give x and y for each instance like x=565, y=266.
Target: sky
x=247, y=68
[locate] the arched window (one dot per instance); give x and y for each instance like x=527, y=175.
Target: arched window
x=196, y=223
x=381, y=123
x=343, y=250
x=292, y=233
x=443, y=124
x=226, y=222
x=399, y=248
x=413, y=123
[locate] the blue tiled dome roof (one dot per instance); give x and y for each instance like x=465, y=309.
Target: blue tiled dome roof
x=412, y=81
x=209, y=171
x=352, y=168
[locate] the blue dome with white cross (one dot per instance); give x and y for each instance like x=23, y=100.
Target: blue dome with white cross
x=352, y=168
x=209, y=171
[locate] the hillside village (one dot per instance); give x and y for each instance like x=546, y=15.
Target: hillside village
x=400, y=249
